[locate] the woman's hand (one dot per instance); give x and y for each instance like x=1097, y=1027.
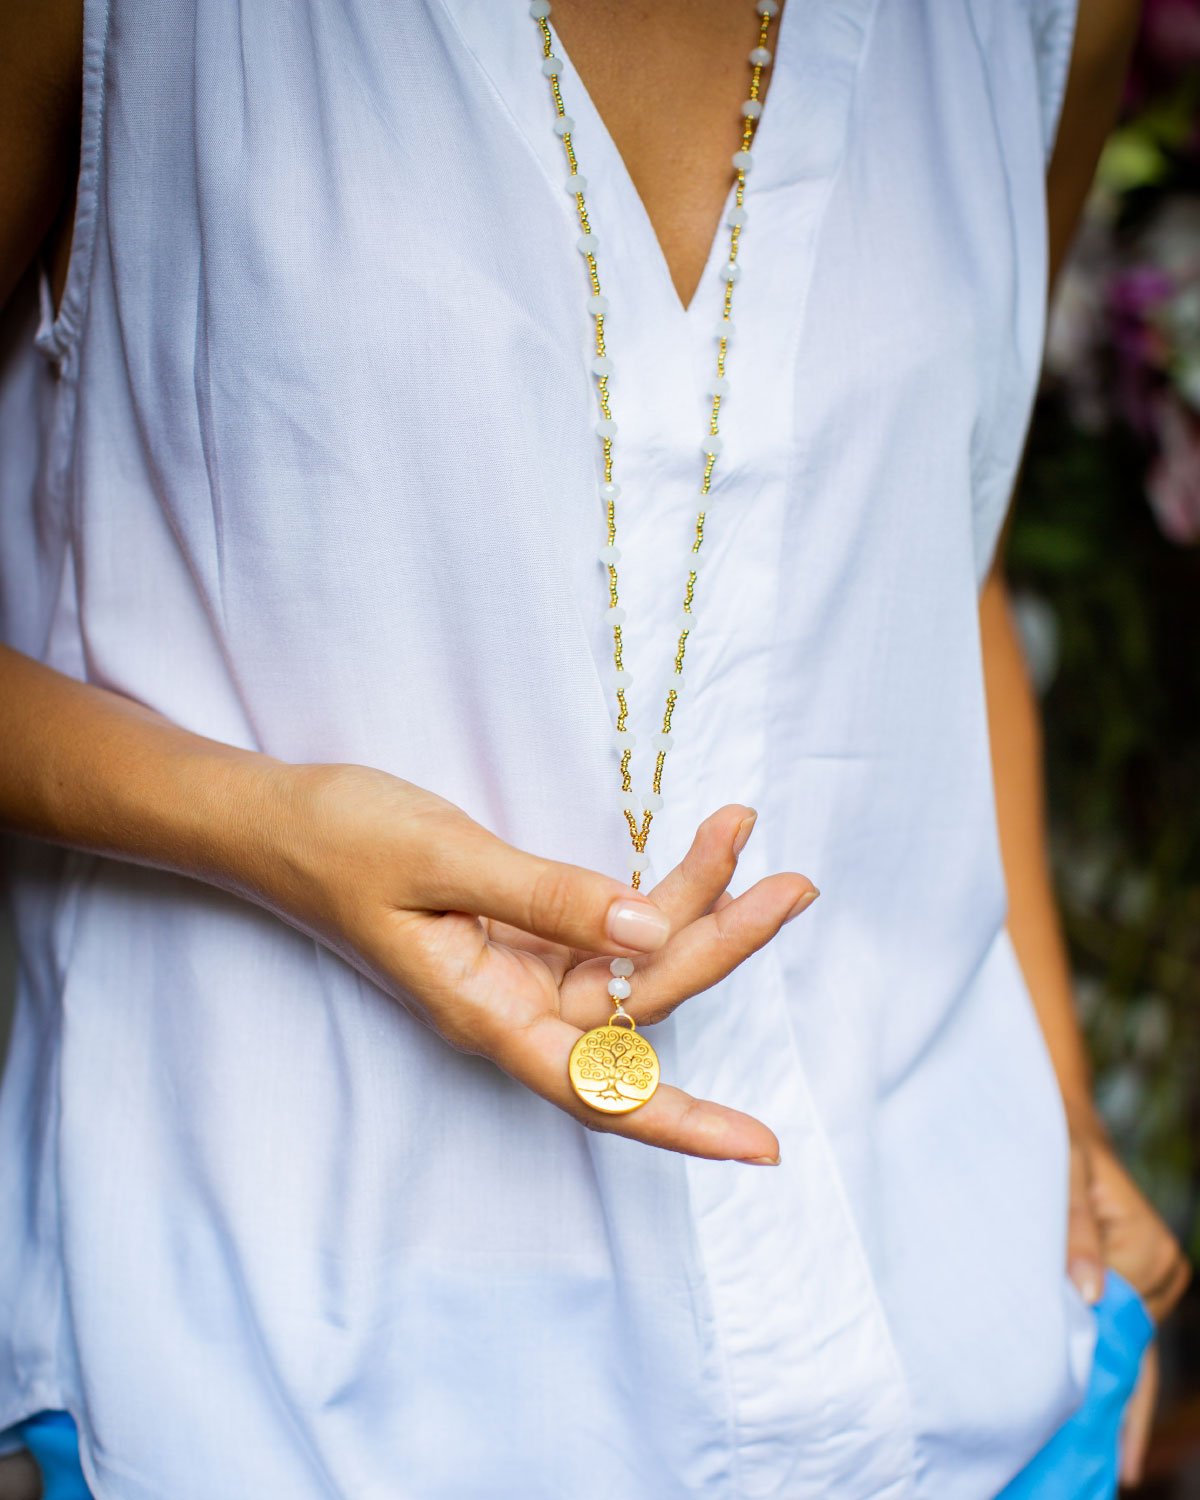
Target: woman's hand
x=1113, y=1224
x=496, y=949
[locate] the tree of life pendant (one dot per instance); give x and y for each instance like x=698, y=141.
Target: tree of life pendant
x=614, y=1068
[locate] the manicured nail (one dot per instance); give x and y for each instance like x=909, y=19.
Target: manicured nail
x=744, y=829
x=760, y=1161
x=803, y=904
x=637, y=924
x=1087, y=1277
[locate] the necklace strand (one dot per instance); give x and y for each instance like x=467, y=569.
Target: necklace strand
x=606, y=427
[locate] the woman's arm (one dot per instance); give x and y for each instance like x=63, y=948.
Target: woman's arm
x=1110, y=1221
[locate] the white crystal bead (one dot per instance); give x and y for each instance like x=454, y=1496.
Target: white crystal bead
x=742, y=161
x=551, y=65
x=621, y=968
x=597, y=306
x=621, y=680
x=663, y=741
x=768, y=7
x=624, y=739
x=731, y=272
x=725, y=330
x=718, y=386
x=564, y=125
x=752, y=108
x=627, y=801
x=697, y=561
x=686, y=620
x=760, y=57
x=618, y=987
x=737, y=217
x=652, y=802
x=615, y=615
x=602, y=365
x=637, y=863
x=712, y=444
x=609, y=491
x=576, y=185
x=606, y=428
x=587, y=244
x=610, y=555
x=540, y=9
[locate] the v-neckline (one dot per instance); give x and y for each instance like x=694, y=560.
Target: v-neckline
x=523, y=90
x=577, y=90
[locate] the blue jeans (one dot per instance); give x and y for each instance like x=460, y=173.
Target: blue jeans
x=1078, y=1463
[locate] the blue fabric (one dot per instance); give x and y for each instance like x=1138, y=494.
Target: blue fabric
x=50, y=1438
x=1078, y=1463
x=1080, y=1460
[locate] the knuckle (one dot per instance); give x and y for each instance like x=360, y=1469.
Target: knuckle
x=552, y=898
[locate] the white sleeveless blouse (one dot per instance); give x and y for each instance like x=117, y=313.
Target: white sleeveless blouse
x=305, y=461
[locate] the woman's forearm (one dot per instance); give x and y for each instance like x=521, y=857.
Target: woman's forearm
x=1014, y=724
x=94, y=770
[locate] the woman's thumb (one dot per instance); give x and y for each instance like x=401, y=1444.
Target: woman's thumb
x=1085, y=1244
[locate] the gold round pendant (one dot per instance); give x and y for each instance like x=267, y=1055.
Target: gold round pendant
x=613, y=1068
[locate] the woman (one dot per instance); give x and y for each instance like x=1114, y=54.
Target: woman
x=310, y=717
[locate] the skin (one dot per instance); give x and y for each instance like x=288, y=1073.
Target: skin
x=492, y=946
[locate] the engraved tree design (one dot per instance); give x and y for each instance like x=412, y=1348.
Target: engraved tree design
x=613, y=1056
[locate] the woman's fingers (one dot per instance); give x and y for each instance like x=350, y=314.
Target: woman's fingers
x=696, y=958
x=581, y=908
x=706, y=869
x=499, y=1004
x=1085, y=1248
x=1137, y=1242
x=477, y=872
x=537, y=1055
x=1139, y=1419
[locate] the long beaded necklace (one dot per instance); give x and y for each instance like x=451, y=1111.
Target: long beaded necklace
x=613, y=1067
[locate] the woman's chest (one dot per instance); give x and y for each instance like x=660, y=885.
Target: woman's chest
x=383, y=293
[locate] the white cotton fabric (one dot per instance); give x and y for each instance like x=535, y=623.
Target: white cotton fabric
x=305, y=461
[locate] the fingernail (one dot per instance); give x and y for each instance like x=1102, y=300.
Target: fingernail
x=637, y=924
x=744, y=829
x=803, y=904
x=1087, y=1277
x=760, y=1161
